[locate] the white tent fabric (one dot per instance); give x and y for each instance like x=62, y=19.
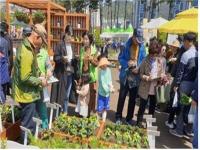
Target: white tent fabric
x=154, y=23
x=116, y=35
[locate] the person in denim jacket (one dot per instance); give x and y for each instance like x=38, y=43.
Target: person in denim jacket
x=130, y=59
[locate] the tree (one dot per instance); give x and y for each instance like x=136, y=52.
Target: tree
x=117, y=12
x=170, y=2
x=101, y=15
x=125, y=14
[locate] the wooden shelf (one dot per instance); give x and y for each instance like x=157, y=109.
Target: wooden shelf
x=55, y=27
x=55, y=40
x=80, y=29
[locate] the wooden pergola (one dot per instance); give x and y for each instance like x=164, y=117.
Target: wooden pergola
x=46, y=5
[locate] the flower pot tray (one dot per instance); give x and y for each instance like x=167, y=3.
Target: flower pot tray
x=11, y=131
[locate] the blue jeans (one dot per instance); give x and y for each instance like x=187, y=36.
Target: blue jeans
x=27, y=113
x=195, y=129
x=67, y=92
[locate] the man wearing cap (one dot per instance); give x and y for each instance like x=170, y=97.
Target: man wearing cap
x=27, y=83
x=130, y=59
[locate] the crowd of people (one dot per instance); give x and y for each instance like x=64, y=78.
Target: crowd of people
x=140, y=74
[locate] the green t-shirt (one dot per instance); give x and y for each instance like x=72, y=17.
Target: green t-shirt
x=92, y=69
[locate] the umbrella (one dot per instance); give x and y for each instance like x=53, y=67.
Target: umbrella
x=185, y=21
x=155, y=23
x=180, y=25
x=193, y=12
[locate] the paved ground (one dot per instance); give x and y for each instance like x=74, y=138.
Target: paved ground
x=165, y=140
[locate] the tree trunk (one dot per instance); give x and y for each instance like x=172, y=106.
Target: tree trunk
x=101, y=17
x=108, y=15
x=115, y=12
x=170, y=9
x=125, y=15
x=132, y=14
x=158, y=10
x=111, y=15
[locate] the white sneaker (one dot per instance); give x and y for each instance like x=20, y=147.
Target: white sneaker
x=170, y=125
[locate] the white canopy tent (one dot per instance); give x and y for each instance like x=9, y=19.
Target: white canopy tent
x=116, y=35
x=154, y=23
x=150, y=28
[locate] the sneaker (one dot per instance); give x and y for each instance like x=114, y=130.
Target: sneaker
x=129, y=122
x=118, y=122
x=190, y=134
x=175, y=133
x=170, y=125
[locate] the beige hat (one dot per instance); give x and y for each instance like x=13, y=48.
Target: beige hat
x=103, y=61
x=175, y=43
x=41, y=31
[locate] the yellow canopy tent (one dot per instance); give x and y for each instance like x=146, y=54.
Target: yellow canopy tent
x=184, y=22
x=193, y=12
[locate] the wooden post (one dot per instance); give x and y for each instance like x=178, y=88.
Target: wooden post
x=8, y=15
x=31, y=19
x=65, y=23
x=48, y=25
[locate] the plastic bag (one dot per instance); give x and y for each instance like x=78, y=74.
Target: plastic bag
x=191, y=114
x=175, y=101
x=160, y=94
x=46, y=97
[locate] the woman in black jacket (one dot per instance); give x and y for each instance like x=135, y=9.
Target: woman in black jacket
x=64, y=70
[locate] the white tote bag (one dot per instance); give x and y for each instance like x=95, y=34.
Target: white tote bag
x=191, y=114
x=46, y=97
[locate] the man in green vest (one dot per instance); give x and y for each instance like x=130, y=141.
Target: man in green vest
x=27, y=83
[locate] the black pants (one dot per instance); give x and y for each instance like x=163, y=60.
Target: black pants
x=131, y=104
x=5, y=89
x=172, y=111
x=27, y=113
x=143, y=103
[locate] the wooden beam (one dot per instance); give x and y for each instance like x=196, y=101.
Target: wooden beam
x=56, y=6
x=48, y=25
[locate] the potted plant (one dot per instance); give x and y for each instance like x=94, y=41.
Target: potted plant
x=38, y=17
x=10, y=131
x=21, y=16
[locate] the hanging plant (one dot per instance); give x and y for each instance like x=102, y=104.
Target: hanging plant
x=19, y=15
x=22, y=17
x=38, y=17
x=26, y=19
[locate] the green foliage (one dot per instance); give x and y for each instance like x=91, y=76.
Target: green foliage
x=98, y=40
x=38, y=17
x=6, y=113
x=126, y=135
x=185, y=100
x=81, y=127
x=21, y=16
